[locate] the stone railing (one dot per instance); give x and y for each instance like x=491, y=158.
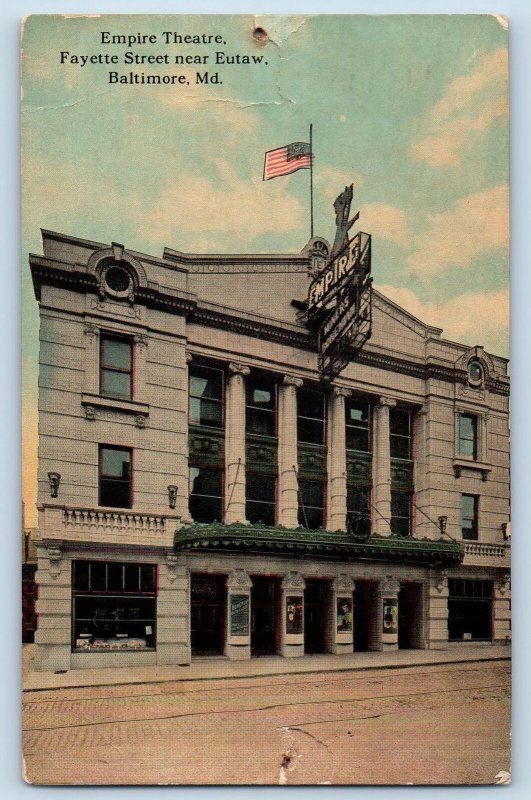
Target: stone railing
x=484, y=549
x=105, y=525
x=113, y=520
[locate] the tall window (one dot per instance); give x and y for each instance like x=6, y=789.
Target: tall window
x=260, y=490
x=114, y=605
x=467, y=436
x=400, y=433
x=358, y=509
x=206, y=397
x=357, y=424
x=310, y=416
x=401, y=517
x=261, y=403
x=206, y=494
x=116, y=366
x=469, y=516
x=115, y=477
x=311, y=503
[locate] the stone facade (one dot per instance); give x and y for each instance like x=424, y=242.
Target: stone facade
x=181, y=310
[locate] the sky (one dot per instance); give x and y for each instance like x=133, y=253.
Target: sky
x=413, y=110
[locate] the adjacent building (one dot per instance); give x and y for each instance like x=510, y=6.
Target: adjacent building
x=202, y=491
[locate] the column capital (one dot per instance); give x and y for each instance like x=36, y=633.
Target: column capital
x=293, y=581
x=341, y=391
x=91, y=330
x=343, y=583
x=189, y=356
x=292, y=380
x=386, y=402
x=238, y=369
x=239, y=579
x=141, y=340
x=390, y=585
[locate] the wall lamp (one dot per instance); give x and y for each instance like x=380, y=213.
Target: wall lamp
x=442, y=520
x=172, y=495
x=54, y=479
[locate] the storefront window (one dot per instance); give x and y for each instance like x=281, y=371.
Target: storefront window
x=114, y=606
x=469, y=609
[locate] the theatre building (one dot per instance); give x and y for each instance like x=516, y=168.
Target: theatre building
x=211, y=483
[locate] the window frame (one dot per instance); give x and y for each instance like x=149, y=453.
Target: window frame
x=252, y=382
x=300, y=514
x=300, y=416
x=409, y=495
x=101, y=475
x=408, y=437
x=106, y=335
x=475, y=439
x=475, y=518
x=267, y=503
x=219, y=401
x=221, y=496
x=350, y=425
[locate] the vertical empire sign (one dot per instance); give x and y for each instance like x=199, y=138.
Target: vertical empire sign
x=340, y=303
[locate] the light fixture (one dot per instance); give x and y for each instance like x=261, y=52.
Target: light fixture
x=442, y=524
x=54, y=479
x=172, y=495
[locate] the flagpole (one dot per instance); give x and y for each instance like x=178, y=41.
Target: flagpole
x=311, y=182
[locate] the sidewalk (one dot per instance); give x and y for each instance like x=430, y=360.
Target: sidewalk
x=222, y=668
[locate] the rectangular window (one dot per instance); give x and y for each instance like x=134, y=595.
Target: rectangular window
x=469, y=609
x=357, y=424
x=115, y=477
x=311, y=504
x=401, y=513
x=467, y=436
x=206, y=494
x=206, y=396
x=260, y=503
x=400, y=429
x=310, y=416
x=359, y=510
x=114, y=606
x=116, y=366
x=261, y=405
x=469, y=516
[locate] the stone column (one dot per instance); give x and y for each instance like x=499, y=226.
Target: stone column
x=238, y=641
x=173, y=610
x=342, y=612
x=388, y=606
x=54, y=606
x=501, y=633
x=382, y=467
x=292, y=615
x=337, y=461
x=437, y=616
x=235, y=444
x=287, y=453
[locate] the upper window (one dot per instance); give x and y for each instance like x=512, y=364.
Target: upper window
x=475, y=373
x=261, y=402
x=116, y=366
x=400, y=433
x=310, y=416
x=469, y=516
x=311, y=504
x=206, y=494
x=261, y=498
x=401, y=516
x=359, y=509
x=115, y=485
x=357, y=424
x=117, y=280
x=467, y=436
x=206, y=397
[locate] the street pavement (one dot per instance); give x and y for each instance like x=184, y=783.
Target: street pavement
x=428, y=723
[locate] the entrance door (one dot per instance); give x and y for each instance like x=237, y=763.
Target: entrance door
x=408, y=615
x=315, y=601
x=208, y=614
x=362, y=611
x=263, y=607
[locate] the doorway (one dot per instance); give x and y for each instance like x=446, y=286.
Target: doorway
x=208, y=605
x=409, y=609
x=315, y=604
x=363, y=603
x=264, y=601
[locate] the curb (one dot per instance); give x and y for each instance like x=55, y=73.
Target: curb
x=267, y=674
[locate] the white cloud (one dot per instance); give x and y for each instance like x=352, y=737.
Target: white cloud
x=477, y=223
x=385, y=222
x=470, y=104
x=223, y=204
x=473, y=318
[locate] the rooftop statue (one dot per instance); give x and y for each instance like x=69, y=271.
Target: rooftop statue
x=342, y=205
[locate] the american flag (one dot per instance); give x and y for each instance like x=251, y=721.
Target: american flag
x=288, y=159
